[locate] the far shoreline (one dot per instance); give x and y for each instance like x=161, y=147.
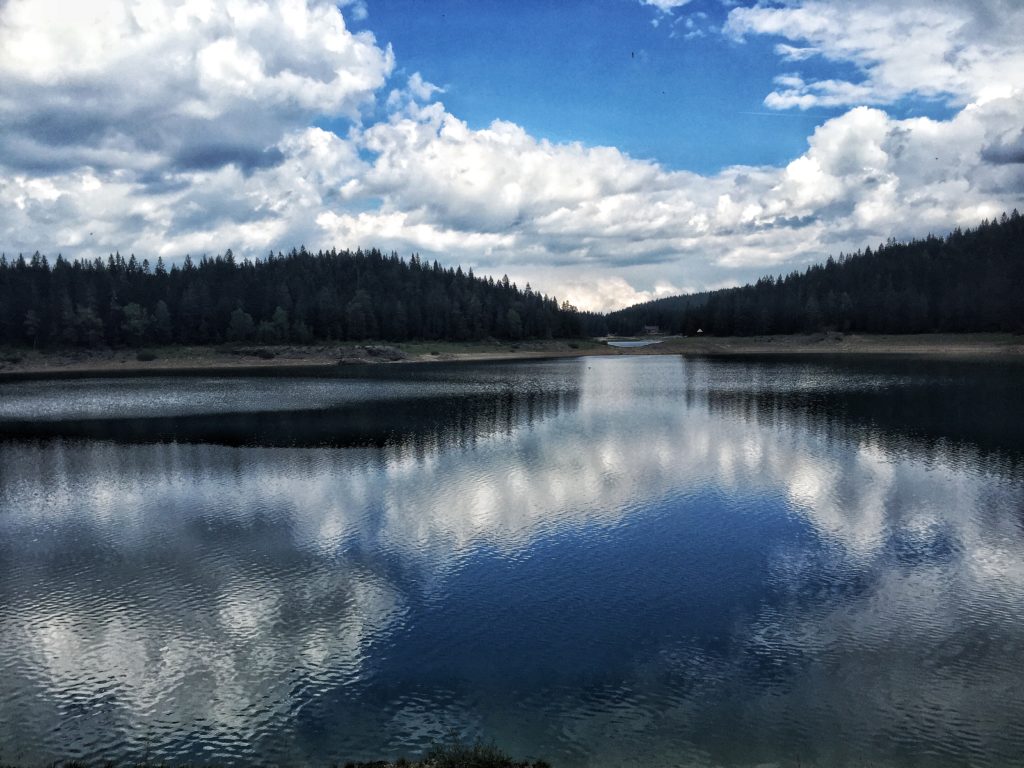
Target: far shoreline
x=327, y=359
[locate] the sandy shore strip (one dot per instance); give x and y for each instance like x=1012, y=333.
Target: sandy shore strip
x=17, y=364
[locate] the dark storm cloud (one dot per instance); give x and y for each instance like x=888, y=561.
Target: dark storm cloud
x=69, y=127
x=159, y=183
x=201, y=211
x=1005, y=153
x=208, y=157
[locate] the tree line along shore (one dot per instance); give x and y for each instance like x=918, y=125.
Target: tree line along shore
x=967, y=282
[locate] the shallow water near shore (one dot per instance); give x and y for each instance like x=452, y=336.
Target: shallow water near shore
x=597, y=561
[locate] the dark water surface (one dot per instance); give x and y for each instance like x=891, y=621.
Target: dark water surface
x=601, y=561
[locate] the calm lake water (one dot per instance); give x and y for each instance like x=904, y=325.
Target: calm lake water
x=640, y=561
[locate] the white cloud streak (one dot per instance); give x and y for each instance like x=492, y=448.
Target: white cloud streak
x=665, y=6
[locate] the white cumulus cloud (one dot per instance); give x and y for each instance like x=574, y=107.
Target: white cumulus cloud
x=177, y=85
x=216, y=147
x=950, y=49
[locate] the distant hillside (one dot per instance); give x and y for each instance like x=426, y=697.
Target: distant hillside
x=968, y=281
x=299, y=297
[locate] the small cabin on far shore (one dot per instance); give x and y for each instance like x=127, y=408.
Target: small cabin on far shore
x=652, y=330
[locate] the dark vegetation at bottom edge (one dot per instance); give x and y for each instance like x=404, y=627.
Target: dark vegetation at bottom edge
x=456, y=754
x=449, y=754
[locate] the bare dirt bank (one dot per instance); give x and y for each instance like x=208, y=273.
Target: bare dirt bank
x=293, y=359
x=967, y=345
x=264, y=359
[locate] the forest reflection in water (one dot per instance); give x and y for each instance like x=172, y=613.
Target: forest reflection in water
x=596, y=561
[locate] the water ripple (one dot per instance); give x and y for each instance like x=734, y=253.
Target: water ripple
x=642, y=561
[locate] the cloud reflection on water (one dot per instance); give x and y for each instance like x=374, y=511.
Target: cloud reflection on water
x=185, y=592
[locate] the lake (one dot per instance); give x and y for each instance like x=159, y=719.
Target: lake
x=648, y=561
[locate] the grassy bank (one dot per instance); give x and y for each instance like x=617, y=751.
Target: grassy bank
x=238, y=359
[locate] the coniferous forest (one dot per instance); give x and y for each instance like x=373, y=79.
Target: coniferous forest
x=971, y=280
x=968, y=281
x=300, y=298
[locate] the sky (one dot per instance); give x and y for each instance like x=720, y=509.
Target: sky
x=606, y=152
